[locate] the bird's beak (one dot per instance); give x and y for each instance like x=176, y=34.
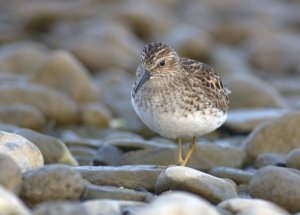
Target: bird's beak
x=145, y=78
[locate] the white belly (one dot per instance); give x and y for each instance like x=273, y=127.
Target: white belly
x=174, y=125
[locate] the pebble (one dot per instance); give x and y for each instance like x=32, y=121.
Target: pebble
x=293, y=159
x=278, y=185
x=237, y=175
x=108, y=155
x=95, y=114
x=101, y=45
x=22, y=57
x=52, y=182
x=187, y=179
x=52, y=103
x=266, y=159
x=10, y=174
x=59, y=207
x=280, y=135
x=22, y=115
x=242, y=206
x=52, y=149
x=62, y=68
x=108, y=207
x=206, y=156
x=21, y=150
x=274, y=52
x=177, y=202
x=189, y=41
x=131, y=177
x=245, y=120
x=243, y=88
x=116, y=193
x=11, y=204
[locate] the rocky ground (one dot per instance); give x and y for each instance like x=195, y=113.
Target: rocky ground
x=71, y=143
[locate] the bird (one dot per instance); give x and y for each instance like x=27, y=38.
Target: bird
x=178, y=97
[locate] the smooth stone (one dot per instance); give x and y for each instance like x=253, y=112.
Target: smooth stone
x=177, y=202
x=52, y=103
x=102, y=45
x=280, y=135
x=244, y=87
x=205, y=157
x=62, y=68
x=59, y=208
x=293, y=159
x=245, y=120
x=10, y=174
x=131, y=177
x=21, y=150
x=189, y=41
x=11, y=204
x=52, y=182
x=237, y=175
x=242, y=206
x=82, y=151
x=52, y=149
x=108, y=155
x=187, y=179
x=22, y=115
x=108, y=207
x=22, y=57
x=274, y=52
x=84, y=160
x=266, y=159
x=95, y=114
x=278, y=185
x=147, y=19
x=117, y=193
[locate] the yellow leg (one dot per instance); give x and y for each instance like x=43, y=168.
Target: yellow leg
x=191, y=149
x=179, y=158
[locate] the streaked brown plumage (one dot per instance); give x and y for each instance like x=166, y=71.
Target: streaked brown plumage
x=178, y=97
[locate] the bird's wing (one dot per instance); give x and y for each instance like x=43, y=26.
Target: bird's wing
x=205, y=81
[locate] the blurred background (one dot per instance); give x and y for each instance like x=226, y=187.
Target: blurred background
x=73, y=62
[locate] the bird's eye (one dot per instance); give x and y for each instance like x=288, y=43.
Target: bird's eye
x=162, y=63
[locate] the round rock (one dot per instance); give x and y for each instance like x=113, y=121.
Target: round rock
x=59, y=70
x=10, y=174
x=293, y=159
x=187, y=179
x=11, y=204
x=280, y=135
x=278, y=185
x=22, y=151
x=52, y=182
x=251, y=207
x=178, y=203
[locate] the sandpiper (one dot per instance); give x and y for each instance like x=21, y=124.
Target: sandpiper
x=178, y=97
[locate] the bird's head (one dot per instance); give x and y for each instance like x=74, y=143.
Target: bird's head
x=157, y=60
